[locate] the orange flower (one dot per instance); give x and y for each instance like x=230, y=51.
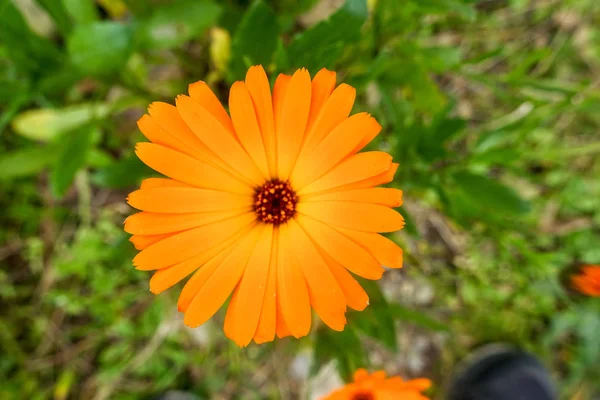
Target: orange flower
x=273, y=204
x=588, y=282
x=377, y=387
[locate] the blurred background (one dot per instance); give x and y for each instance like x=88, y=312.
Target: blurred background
x=490, y=107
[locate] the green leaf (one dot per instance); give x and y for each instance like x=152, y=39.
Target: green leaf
x=501, y=156
x=323, y=44
x=139, y=8
x=488, y=195
x=26, y=162
x=123, y=174
x=459, y=7
x=101, y=48
x=30, y=53
x=172, y=24
x=46, y=123
x=417, y=317
x=60, y=15
x=440, y=59
x=343, y=347
x=377, y=320
x=73, y=153
x=408, y=72
x=255, y=40
x=82, y=11
x=434, y=138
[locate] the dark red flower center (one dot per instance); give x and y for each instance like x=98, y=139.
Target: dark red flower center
x=275, y=202
x=362, y=396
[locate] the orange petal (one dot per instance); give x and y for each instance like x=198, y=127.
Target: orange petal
x=166, y=277
x=358, y=216
x=326, y=296
x=341, y=249
x=355, y=168
x=214, y=135
x=367, y=138
x=195, y=283
x=355, y=295
x=186, y=200
x=150, y=183
x=419, y=384
x=279, y=89
x=188, y=170
x=246, y=126
x=281, y=329
x=147, y=223
x=203, y=95
x=378, y=375
x=360, y=375
x=388, y=197
x=321, y=87
x=292, y=294
x=335, y=110
x=258, y=85
x=380, y=179
x=185, y=245
x=383, y=249
x=230, y=323
x=170, y=120
x=222, y=281
x=334, y=148
x=251, y=290
x=156, y=134
x=140, y=242
x=290, y=127
x=265, y=332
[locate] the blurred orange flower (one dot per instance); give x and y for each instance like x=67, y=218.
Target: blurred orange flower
x=588, y=280
x=271, y=204
x=377, y=387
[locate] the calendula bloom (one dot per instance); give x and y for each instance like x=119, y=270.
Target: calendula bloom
x=377, y=387
x=271, y=204
x=588, y=280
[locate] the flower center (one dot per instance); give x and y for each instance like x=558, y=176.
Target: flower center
x=363, y=396
x=275, y=202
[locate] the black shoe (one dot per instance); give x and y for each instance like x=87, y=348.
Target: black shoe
x=498, y=372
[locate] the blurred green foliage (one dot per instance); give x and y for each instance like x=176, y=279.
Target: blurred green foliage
x=489, y=106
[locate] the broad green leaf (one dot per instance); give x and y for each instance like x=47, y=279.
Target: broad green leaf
x=101, y=48
x=407, y=74
x=343, y=347
x=377, y=320
x=125, y=173
x=419, y=87
x=30, y=53
x=323, y=44
x=60, y=15
x=73, y=153
x=60, y=81
x=440, y=59
x=46, y=124
x=416, y=317
x=502, y=156
x=433, y=139
x=254, y=41
x=82, y=11
x=14, y=102
x=26, y=162
x=172, y=24
x=490, y=196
